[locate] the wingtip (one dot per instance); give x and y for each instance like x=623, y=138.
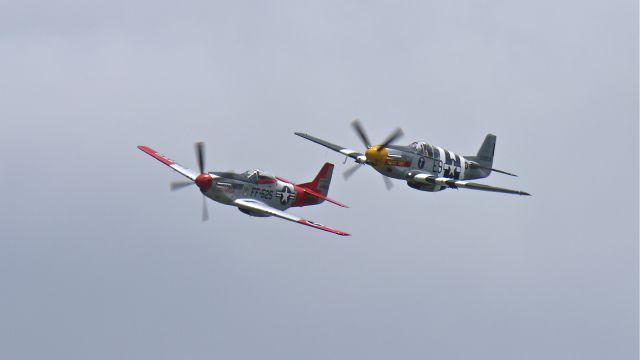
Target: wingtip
x=335, y=202
x=146, y=149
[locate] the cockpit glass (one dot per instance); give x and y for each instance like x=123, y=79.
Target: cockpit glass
x=266, y=176
x=419, y=146
x=250, y=175
x=254, y=175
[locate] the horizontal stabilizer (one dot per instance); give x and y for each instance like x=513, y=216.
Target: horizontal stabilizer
x=322, y=197
x=474, y=164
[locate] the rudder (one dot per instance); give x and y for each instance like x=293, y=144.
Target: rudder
x=484, y=158
x=487, y=149
x=321, y=182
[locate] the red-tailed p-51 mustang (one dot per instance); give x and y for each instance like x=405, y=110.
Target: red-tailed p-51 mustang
x=254, y=192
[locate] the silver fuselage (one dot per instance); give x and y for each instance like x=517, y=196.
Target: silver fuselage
x=402, y=160
x=229, y=186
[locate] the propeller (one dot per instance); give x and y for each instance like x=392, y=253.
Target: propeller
x=357, y=126
x=350, y=171
x=177, y=185
x=200, y=155
x=203, y=181
x=395, y=135
x=387, y=182
x=376, y=155
x=205, y=210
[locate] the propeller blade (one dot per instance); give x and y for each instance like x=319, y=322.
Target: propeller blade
x=177, y=185
x=350, y=171
x=395, y=135
x=200, y=156
x=205, y=211
x=387, y=182
x=357, y=126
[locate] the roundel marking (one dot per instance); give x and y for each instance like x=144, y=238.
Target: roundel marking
x=285, y=195
x=421, y=162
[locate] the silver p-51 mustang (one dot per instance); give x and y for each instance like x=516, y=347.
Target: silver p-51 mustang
x=423, y=166
x=254, y=192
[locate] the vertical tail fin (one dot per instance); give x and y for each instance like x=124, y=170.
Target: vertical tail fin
x=315, y=192
x=488, y=147
x=484, y=158
x=321, y=182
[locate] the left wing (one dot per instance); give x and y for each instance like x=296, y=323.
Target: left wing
x=257, y=206
x=359, y=157
x=460, y=184
x=170, y=163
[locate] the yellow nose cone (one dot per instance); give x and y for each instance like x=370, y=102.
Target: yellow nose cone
x=376, y=158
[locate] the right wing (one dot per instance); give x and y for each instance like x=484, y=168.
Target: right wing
x=170, y=163
x=257, y=206
x=460, y=184
x=359, y=157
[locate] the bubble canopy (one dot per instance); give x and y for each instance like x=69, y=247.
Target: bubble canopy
x=422, y=148
x=253, y=175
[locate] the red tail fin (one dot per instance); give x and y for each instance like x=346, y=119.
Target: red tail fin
x=322, y=181
x=315, y=192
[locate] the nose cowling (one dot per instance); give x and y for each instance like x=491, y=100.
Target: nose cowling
x=204, y=181
x=377, y=158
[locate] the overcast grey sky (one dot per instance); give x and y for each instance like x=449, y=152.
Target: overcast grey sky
x=98, y=260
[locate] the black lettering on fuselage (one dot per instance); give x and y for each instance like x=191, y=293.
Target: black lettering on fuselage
x=257, y=192
x=437, y=166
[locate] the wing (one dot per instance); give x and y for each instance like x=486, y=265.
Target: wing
x=359, y=157
x=170, y=163
x=257, y=206
x=460, y=184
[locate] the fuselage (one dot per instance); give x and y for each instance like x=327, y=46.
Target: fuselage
x=423, y=157
x=255, y=184
x=423, y=166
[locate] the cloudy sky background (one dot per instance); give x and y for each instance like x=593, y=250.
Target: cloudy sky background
x=98, y=260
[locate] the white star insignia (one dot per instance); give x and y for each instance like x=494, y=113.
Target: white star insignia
x=285, y=195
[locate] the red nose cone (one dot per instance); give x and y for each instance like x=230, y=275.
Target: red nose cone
x=204, y=181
